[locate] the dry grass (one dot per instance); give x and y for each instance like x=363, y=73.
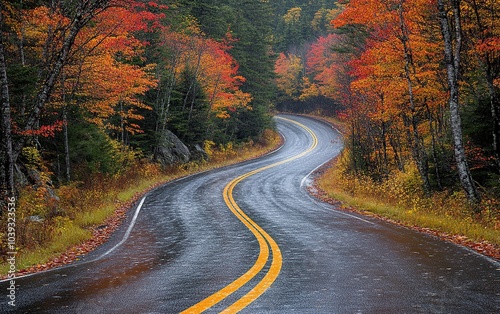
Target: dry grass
x=401, y=199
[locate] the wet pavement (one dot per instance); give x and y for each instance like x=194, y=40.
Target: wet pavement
x=186, y=245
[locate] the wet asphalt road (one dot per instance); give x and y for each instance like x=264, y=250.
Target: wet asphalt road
x=186, y=245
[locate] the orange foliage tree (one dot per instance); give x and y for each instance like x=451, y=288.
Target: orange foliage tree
x=87, y=58
x=210, y=70
x=290, y=74
x=410, y=66
x=398, y=79
x=220, y=80
x=108, y=77
x=326, y=68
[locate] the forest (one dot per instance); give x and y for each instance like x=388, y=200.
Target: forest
x=95, y=92
x=384, y=64
x=121, y=73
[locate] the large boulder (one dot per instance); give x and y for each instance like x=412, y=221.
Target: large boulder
x=171, y=149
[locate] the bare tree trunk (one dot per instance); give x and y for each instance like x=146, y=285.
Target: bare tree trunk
x=121, y=134
x=434, y=148
x=164, y=101
x=66, y=145
x=419, y=154
x=452, y=61
x=384, y=147
x=65, y=127
x=353, y=144
x=495, y=114
x=6, y=117
x=191, y=107
x=194, y=79
x=396, y=148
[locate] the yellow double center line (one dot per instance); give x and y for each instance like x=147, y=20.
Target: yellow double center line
x=265, y=241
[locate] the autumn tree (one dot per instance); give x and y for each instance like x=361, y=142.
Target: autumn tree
x=77, y=63
x=324, y=66
x=249, y=26
x=66, y=22
x=398, y=44
x=398, y=83
x=105, y=77
x=290, y=75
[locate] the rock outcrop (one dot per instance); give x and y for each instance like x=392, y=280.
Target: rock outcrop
x=171, y=150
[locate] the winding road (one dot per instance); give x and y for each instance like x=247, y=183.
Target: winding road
x=250, y=238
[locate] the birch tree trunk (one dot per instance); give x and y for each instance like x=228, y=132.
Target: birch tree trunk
x=452, y=61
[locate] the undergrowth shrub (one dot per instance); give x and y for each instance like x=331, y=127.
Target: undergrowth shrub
x=37, y=203
x=404, y=188
x=403, y=192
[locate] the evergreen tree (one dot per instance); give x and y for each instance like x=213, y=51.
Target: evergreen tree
x=251, y=25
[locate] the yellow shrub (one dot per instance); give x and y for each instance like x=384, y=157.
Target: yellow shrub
x=405, y=188
x=208, y=147
x=32, y=157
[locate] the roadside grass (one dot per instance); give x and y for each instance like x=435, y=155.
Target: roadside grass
x=94, y=217
x=444, y=213
x=65, y=236
x=141, y=185
x=400, y=199
x=83, y=209
x=450, y=225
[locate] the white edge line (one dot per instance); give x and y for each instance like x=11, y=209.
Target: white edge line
x=127, y=233
x=302, y=183
x=352, y=216
x=125, y=237
x=338, y=131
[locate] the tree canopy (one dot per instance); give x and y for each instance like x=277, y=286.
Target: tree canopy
x=416, y=81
